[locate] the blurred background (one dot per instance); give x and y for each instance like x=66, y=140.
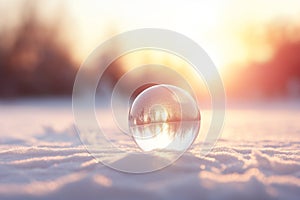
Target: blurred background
x=255, y=45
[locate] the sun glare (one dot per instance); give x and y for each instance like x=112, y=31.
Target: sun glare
x=216, y=26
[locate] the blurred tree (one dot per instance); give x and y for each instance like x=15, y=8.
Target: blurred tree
x=36, y=62
x=277, y=77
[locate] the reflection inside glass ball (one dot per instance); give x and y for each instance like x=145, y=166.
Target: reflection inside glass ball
x=164, y=117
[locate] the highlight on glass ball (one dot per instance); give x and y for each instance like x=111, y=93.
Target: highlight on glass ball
x=164, y=117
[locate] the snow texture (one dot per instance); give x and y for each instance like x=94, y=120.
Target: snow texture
x=41, y=157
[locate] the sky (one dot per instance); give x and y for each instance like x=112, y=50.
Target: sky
x=217, y=26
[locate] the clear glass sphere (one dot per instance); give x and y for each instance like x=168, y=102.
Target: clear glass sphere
x=164, y=117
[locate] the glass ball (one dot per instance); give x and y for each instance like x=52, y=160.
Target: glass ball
x=164, y=117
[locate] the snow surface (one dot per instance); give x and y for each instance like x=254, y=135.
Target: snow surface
x=41, y=157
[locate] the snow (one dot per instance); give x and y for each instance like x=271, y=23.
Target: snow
x=41, y=157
